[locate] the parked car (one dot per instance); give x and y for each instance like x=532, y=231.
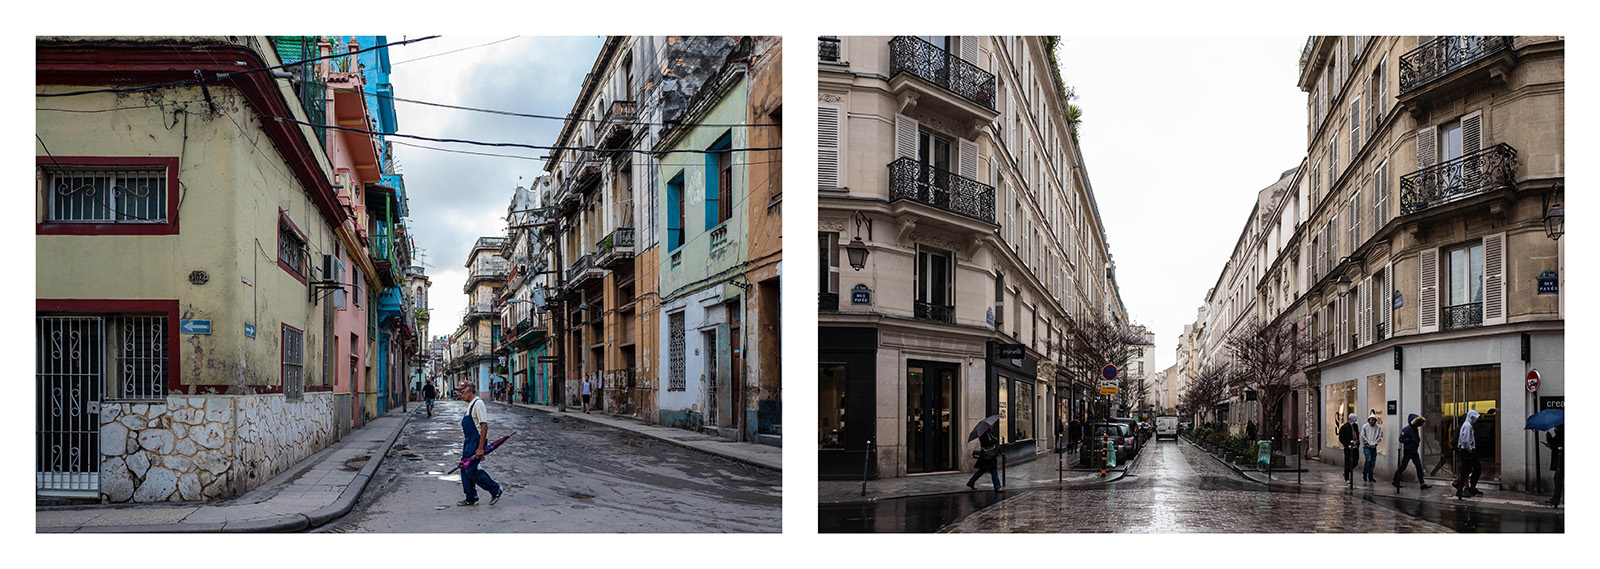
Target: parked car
x=1125, y=440
x=1167, y=426
x=1133, y=427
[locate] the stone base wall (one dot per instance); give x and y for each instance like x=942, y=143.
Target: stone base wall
x=205, y=447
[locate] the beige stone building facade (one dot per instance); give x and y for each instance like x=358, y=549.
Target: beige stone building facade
x=947, y=161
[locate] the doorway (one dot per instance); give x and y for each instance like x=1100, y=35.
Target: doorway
x=1447, y=395
x=930, y=437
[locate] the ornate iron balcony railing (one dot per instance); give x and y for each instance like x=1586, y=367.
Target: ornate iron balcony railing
x=1382, y=331
x=935, y=312
x=916, y=56
x=622, y=237
x=1463, y=315
x=1305, y=52
x=828, y=301
x=1481, y=171
x=1444, y=55
x=923, y=183
x=828, y=48
x=617, y=125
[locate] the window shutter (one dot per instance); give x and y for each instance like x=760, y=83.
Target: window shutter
x=1380, y=196
x=1427, y=149
x=1355, y=127
x=1387, y=310
x=1471, y=141
x=967, y=161
x=1428, y=291
x=833, y=262
x=828, y=124
x=1366, y=311
x=1494, y=270
x=1383, y=87
x=969, y=49
x=905, y=136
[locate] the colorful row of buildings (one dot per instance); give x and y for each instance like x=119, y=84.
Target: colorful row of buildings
x=224, y=286
x=647, y=257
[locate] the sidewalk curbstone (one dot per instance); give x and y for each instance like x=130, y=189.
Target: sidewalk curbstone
x=683, y=444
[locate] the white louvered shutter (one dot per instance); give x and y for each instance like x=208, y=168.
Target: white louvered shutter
x=1387, y=300
x=969, y=49
x=1471, y=141
x=1383, y=87
x=1380, y=196
x=905, y=136
x=967, y=158
x=828, y=134
x=1494, y=276
x=1366, y=311
x=1427, y=147
x=1355, y=127
x=1428, y=291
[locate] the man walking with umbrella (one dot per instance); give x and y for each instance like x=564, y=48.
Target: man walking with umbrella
x=475, y=430
x=987, y=454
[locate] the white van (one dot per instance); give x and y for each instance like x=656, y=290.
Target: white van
x=1167, y=426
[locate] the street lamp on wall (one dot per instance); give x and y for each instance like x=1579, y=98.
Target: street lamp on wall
x=1343, y=283
x=1555, y=214
x=857, y=250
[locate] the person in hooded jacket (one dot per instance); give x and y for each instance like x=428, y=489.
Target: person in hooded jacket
x=1410, y=439
x=1468, y=469
x=987, y=455
x=1350, y=439
x=1371, y=437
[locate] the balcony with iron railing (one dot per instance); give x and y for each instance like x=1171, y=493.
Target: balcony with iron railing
x=947, y=191
x=1445, y=55
x=585, y=171
x=828, y=49
x=308, y=85
x=911, y=56
x=935, y=312
x=615, y=248
x=481, y=310
x=1461, y=316
x=617, y=126
x=582, y=271
x=1482, y=171
x=493, y=269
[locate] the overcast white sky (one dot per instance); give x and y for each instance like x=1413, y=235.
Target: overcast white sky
x=456, y=198
x=1178, y=135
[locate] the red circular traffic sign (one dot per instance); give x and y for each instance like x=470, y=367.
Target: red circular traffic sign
x=1533, y=381
x=1109, y=372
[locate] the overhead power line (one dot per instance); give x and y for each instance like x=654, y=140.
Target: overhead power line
x=518, y=144
x=225, y=75
x=454, y=51
x=553, y=117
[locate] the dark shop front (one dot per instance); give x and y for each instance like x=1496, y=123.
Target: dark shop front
x=847, y=382
x=1012, y=375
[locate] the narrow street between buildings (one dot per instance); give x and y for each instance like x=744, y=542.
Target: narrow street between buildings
x=1175, y=487
x=561, y=474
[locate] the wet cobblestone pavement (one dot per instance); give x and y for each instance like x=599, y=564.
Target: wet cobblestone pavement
x=1179, y=489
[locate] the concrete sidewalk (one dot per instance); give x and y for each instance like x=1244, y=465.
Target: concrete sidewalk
x=318, y=489
x=1322, y=477
x=749, y=453
x=1038, y=473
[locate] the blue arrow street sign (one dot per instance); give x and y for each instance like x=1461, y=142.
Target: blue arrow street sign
x=194, y=327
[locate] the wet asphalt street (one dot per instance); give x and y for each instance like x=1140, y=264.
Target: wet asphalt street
x=561, y=475
x=1175, y=488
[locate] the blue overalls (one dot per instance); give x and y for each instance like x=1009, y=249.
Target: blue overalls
x=472, y=475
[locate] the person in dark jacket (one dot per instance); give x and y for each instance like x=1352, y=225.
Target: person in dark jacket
x=1350, y=439
x=1410, y=440
x=1557, y=461
x=987, y=456
x=1250, y=431
x=1468, y=467
x=1074, y=435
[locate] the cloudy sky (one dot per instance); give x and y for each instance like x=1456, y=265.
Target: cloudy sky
x=456, y=198
x=1178, y=135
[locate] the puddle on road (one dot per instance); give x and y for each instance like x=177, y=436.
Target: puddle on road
x=579, y=495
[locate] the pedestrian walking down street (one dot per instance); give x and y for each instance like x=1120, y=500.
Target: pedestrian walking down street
x=1250, y=431
x=429, y=392
x=475, y=430
x=1350, y=440
x=1467, y=466
x=1557, y=461
x=1410, y=440
x=587, y=392
x=1074, y=435
x=1371, y=437
x=987, y=462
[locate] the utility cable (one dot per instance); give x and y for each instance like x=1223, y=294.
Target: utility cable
x=520, y=145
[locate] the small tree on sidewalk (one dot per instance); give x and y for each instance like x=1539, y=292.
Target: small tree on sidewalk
x=1270, y=360
x=1090, y=342
x=1206, y=391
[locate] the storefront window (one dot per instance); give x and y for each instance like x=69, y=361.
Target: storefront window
x=1376, y=405
x=1023, y=424
x=830, y=407
x=1341, y=402
x=1447, y=395
x=1005, y=411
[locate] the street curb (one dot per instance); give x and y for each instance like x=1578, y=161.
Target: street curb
x=1123, y=473
x=352, y=493
x=679, y=443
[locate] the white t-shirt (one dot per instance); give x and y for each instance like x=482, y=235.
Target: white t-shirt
x=585, y=387
x=479, y=415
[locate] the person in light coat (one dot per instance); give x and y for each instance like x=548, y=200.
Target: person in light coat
x=1371, y=437
x=1468, y=469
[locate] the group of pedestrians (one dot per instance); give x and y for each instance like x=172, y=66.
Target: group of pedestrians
x=1366, y=438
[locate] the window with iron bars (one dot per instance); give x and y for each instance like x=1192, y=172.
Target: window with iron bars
x=293, y=362
x=675, y=354
x=130, y=352
x=107, y=196
x=291, y=249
